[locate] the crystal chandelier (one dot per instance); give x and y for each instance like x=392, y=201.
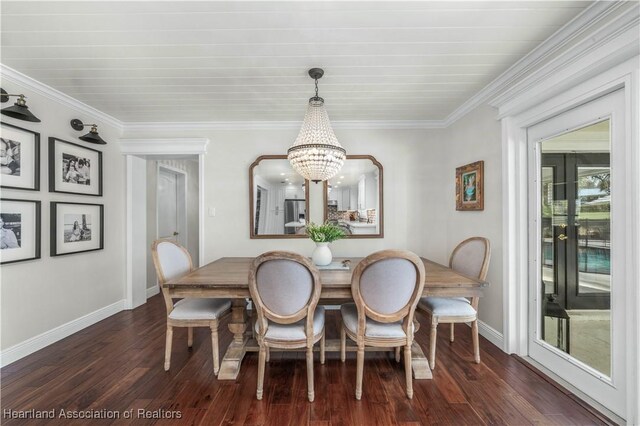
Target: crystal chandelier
x=316, y=154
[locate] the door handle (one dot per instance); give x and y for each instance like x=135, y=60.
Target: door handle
x=562, y=237
x=175, y=233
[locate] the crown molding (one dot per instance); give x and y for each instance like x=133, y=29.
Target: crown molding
x=389, y=124
x=173, y=146
x=502, y=86
x=12, y=76
x=605, y=47
x=279, y=125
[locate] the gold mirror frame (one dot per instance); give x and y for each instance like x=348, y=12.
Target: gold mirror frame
x=252, y=233
x=325, y=197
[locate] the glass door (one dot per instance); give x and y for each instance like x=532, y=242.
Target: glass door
x=576, y=326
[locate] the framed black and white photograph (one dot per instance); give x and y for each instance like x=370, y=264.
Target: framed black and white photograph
x=19, y=230
x=19, y=158
x=76, y=228
x=74, y=169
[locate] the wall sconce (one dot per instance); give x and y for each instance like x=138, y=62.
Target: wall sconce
x=19, y=110
x=92, y=136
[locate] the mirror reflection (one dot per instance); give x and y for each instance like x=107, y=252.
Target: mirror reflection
x=354, y=197
x=279, y=201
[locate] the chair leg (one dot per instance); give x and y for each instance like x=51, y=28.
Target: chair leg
x=476, y=341
x=167, y=348
x=432, y=343
x=359, y=372
x=261, y=363
x=254, y=317
x=453, y=329
x=407, y=371
x=215, y=349
x=398, y=354
x=268, y=355
x=322, y=347
x=190, y=337
x=343, y=344
x=310, y=392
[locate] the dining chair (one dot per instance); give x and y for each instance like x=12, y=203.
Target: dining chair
x=471, y=258
x=386, y=287
x=172, y=261
x=285, y=289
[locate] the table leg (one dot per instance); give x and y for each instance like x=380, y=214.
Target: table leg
x=230, y=366
x=419, y=363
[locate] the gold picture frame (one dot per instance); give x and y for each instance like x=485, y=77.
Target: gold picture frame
x=470, y=186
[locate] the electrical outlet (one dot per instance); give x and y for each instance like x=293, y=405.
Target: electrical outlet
x=212, y=211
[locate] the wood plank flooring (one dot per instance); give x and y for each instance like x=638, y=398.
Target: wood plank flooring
x=117, y=365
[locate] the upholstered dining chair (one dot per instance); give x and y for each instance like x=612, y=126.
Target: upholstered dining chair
x=386, y=287
x=471, y=258
x=172, y=261
x=285, y=289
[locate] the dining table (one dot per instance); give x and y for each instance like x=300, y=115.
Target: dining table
x=228, y=277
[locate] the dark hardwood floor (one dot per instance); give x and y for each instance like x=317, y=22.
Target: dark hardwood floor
x=117, y=365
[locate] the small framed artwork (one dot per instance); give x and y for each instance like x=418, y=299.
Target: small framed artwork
x=19, y=158
x=470, y=186
x=74, y=169
x=76, y=228
x=19, y=230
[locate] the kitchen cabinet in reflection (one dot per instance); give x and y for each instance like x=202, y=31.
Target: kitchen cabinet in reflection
x=354, y=197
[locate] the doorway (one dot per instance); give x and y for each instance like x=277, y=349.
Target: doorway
x=137, y=153
x=171, y=204
x=576, y=238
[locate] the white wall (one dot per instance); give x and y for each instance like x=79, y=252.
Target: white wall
x=190, y=167
x=231, y=152
x=39, y=295
x=475, y=137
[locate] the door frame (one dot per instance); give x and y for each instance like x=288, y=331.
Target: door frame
x=181, y=211
x=135, y=151
x=517, y=256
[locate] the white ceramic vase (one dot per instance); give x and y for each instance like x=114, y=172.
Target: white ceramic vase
x=322, y=254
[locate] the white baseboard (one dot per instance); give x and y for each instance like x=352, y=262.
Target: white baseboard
x=152, y=291
x=45, y=339
x=491, y=334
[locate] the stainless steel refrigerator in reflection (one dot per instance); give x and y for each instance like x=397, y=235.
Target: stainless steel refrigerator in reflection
x=294, y=210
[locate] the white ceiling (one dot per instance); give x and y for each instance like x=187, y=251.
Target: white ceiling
x=226, y=61
x=351, y=172
x=277, y=171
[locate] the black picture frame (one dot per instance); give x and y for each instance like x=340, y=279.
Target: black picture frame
x=53, y=167
x=36, y=159
x=37, y=229
x=54, y=228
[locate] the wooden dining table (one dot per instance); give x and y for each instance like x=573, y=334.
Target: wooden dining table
x=228, y=277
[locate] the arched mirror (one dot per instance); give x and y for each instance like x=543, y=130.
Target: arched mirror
x=353, y=199
x=278, y=198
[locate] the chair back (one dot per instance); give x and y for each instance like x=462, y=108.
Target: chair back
x=387, y=286
x=171, y=260
x=285, y=287
x=471, y=257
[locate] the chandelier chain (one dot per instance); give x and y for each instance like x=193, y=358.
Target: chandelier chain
x=316, y=87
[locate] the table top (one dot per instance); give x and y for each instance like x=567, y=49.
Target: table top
x=228, y=272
